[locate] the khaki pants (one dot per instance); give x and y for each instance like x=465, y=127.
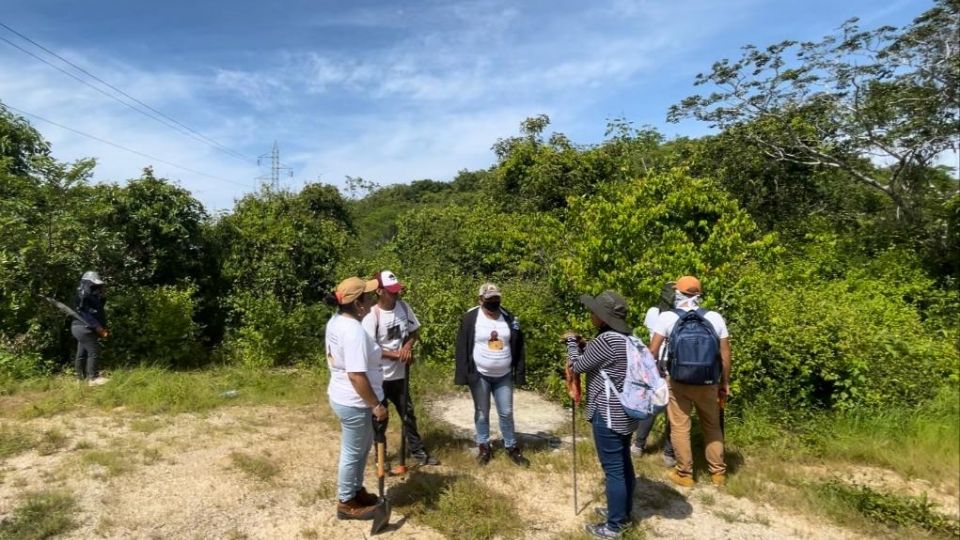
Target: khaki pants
x=683, y=398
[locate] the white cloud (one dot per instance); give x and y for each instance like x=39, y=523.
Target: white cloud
x=426, y=105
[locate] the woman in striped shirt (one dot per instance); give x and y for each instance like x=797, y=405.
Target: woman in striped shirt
x=612, y=428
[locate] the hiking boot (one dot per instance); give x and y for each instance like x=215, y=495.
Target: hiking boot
x=517, y=456
x=423, y=458
x=636, y=450
x=98, y=381
x=354, y=509
x=366, y=498
x=669, y=461
x=600, y=530
x=682, y=481
x=483, y=453
x=719, y=479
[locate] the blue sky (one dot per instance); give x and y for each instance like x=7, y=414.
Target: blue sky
x=390, y=91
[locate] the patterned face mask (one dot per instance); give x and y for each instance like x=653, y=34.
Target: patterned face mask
x=683, y=301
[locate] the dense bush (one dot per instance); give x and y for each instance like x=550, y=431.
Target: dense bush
x=156, y=326
x=632, y=238
x=264, y=333
x=848, y=339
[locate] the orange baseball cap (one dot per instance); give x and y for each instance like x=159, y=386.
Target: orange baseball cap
x=351, y=288
x=689, y=285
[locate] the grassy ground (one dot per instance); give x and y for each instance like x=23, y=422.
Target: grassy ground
x=771, y=461
x=153, y=391
x=903, y=447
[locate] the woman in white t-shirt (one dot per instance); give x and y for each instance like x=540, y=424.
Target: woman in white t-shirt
x=490, y=359
x=355, y=391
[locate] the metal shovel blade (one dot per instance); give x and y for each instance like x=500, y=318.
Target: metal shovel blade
x=381, y=515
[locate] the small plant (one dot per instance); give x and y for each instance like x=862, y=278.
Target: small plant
x=326, y=490
x=890, y=509
x=729, y=517
x=494, y=514
x=146, y=425
x=13, y=442
x=260, y=467
x=51, y=441
x=40, y=515
x=112, y=462
x=707, y=498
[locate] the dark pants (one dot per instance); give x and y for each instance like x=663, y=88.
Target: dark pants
x=393, y=392
x=613, y=449
x=644, y=431
x=88, y=351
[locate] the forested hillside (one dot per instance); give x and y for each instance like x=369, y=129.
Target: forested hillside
x=822, y=215
x=817, y=216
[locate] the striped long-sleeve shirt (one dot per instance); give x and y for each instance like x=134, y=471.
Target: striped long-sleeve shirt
x=609, y=353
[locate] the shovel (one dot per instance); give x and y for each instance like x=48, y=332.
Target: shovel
x=381, y=514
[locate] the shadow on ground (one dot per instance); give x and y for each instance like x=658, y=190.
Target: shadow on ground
x=654, y=498
x=420, y=489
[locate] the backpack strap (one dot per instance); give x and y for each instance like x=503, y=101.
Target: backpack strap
x=607, y=385
x=703, y=315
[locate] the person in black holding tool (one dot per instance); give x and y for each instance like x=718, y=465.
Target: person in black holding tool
x=90, y=305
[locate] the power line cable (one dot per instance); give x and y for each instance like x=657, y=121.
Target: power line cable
x=179, y=126
x=121, y=147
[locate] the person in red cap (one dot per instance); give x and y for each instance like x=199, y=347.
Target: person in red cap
x=394, y=326
x=696, y=382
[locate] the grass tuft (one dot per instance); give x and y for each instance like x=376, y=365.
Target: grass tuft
x=51, y=441
x=495, y=515
x=13, y=442
x=112, y=462
x=260, y=467
x=40, y=515
x=325, y=491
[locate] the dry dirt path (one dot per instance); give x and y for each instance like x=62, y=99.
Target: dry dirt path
x=178, y=476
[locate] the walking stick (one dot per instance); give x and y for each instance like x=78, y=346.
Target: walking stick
x=573, y=417
x=402, y=467
x=573, y=389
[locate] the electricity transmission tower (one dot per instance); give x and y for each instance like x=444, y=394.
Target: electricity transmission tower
x=273, y=179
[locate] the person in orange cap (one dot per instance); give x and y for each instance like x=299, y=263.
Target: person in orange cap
x=699, y=368
x=355, y=391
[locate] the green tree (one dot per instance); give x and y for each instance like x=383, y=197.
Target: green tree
x=884, y=94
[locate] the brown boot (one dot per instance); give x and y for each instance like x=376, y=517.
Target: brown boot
x=483, y=454
x=354, y=509
x=365, y=498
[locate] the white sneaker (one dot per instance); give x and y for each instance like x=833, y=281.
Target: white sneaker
x=98, y=381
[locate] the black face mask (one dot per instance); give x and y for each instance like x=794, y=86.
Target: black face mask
x=492, y=305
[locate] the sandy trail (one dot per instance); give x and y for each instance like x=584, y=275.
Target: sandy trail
x=179, y=478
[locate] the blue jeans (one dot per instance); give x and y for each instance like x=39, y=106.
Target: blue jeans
x=644, y=431
x=502, y=390
x=613, y=449
x=356, y=427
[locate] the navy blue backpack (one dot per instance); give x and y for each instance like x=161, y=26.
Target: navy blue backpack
x=694, y=349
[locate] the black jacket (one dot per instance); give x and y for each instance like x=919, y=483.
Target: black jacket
x=91, y=306
x=466, y=369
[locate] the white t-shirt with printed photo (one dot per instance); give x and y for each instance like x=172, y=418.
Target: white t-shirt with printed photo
x=491, y=346
x=389, y=328
x=350, y=350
